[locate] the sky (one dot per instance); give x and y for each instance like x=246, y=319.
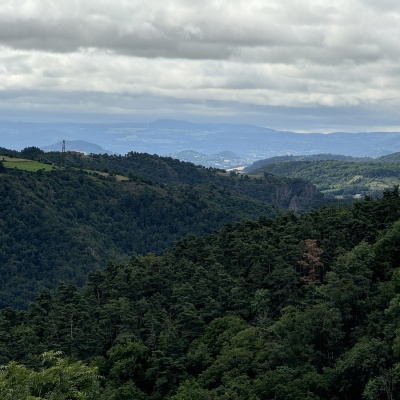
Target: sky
x=306, y=66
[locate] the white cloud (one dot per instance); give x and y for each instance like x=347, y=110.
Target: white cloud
x=200, y=57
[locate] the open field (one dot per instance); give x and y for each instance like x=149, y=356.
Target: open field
x=26, y=165
x=33, y=166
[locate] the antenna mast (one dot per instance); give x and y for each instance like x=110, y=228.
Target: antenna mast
x=63, y=153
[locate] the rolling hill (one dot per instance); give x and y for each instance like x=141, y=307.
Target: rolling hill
x=61, y=224
x=337, y=178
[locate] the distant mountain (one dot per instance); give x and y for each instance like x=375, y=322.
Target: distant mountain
x=225, y=159
x=313, y=157
x=77, y=145
x=164, y=137
x=171, y=124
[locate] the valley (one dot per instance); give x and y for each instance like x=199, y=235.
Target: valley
x=61, y=223
x=161, y=279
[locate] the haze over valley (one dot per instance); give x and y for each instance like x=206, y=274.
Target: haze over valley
x=216, y=145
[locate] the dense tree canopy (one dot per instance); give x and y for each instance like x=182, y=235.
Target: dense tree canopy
x=237, y=313
x=246, y=302
x=62, y=224
x=60, y=379
x=338, y=178
x=283, y=192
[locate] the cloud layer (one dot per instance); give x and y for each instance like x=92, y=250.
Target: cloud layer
x=210, y=59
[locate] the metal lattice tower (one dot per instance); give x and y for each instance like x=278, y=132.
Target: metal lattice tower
x=63, y=154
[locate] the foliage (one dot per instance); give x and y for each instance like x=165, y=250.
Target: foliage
x=228, y=315
x=311, y=157
x=302, y=306
x=60, y=379
x=8, y=152
x=61, y=223
x=311, y=263
x=58, y=226
x=338, y=178
x=148, y=168
x=32, y=153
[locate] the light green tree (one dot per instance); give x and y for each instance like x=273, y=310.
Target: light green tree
x=59, y=379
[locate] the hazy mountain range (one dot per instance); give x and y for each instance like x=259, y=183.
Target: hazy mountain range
x=244, y=144
x=77, y=145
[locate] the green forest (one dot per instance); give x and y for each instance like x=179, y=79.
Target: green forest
x=336, y=177
x=273, y=304
x=61, y=224
x=297, y=307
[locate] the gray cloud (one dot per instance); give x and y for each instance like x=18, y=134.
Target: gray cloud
x=208, y=30
x=207, y=58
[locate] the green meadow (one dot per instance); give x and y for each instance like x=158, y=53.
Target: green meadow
x=24, y=164
x=33, y=166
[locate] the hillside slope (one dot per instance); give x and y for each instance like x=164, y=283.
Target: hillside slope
x=281, y=192
x=59, y=225
x=337, y=178
x=315, y=157
x=297, y=308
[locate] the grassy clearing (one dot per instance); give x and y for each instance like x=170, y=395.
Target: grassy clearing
x=121, y=178
x=117, y=177
x=26, y=165
x=33, y=166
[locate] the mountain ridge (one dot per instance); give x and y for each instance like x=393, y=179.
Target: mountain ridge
x=162, y=137
x=77, y=145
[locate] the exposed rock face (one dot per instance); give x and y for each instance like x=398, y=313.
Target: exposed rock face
x=305, y=198
x=295, y=204
x=294, y=194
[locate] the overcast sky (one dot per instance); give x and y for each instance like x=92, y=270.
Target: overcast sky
x=312, y=65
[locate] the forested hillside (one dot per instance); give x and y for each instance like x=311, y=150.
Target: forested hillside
x=390, y=158
x=338, y=178
x=310, y=157
x=59, y=225
x=299, y=307
x=283, y=192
